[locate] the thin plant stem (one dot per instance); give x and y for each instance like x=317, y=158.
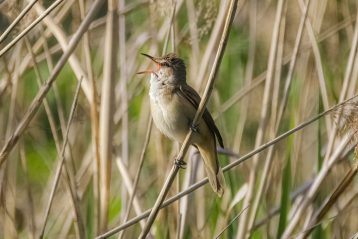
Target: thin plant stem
x=17, y=19
x=318, y=61
x=136, y=180
x=94, y=118
x=231, y=222
x=106, y=124
x=27, y=29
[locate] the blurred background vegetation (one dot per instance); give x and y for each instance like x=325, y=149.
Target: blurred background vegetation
x=281, y=67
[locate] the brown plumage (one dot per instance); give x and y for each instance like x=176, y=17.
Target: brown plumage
x=174, y=104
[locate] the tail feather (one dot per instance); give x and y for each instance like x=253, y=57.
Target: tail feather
x=213, y=170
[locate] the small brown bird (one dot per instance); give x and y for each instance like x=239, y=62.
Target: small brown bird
x=174, y=104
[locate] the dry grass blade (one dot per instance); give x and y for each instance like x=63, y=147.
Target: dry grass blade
x=27, y=29
x=127, y=181
x=94, y=116
x=59, y=169
x=322, y=174
x=46, y=104
x=231, y=222
x=264, y=116
x=32, y=223
x=249, y=72
x=193, y=35
x=275, y=211
x=136, y=180
x=171, y=23
x=36, y=103
x=18, y=18
x=318, y=61
x=106, y=112
x=123, y=93
x=128, y=9
x=337, y=192
x=8, y=179
x=230, y=16
x=216, y=32
x=240, y=94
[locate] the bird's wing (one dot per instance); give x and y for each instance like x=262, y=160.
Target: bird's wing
x=190, y=94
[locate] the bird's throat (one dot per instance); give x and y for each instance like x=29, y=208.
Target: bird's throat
x=161, y=83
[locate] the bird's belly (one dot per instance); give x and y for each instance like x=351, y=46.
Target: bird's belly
x=168, y=118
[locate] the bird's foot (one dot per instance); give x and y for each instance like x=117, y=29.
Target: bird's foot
x=180, y=163
x=194, y=127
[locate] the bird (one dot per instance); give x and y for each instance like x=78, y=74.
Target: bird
x=173, y=106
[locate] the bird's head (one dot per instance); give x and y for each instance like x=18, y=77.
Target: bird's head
x=169, y=67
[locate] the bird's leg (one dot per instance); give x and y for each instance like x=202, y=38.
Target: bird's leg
x=193, y=127
x=180, y=163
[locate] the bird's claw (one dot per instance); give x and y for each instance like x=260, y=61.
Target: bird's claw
x=180, y=163
x=194, y=127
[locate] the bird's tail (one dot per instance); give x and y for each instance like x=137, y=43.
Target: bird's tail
x=212, y=168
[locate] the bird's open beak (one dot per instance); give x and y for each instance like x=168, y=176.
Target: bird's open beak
x=146, y=72
x=150, y=57
x=153, y=59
